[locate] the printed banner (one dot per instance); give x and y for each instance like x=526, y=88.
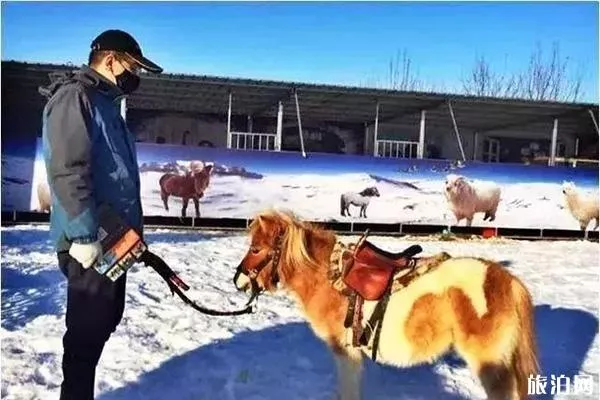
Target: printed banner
x=328, y=187
x=17, y=170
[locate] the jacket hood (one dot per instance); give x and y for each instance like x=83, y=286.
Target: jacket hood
x=84, y=75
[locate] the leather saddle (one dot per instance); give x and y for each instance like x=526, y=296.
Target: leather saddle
x=370, y=270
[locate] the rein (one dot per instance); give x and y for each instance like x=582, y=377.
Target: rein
x=176, y=284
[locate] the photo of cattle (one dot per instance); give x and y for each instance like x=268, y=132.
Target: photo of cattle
x=223, y=183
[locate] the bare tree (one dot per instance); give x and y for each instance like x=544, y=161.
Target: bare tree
x=484, y=81
x=401, y=75
x=549, y=79
x=541, y=80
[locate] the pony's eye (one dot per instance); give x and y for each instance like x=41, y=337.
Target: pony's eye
x=254, y=249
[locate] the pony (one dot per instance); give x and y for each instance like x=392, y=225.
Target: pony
x=189, y=186
x=465, y=198
x=471, y=304
x=583, y=208
x=361, y=200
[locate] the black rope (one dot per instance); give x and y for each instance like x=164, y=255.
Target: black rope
x=176, y=285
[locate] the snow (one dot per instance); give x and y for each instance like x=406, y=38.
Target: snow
x=164, y=349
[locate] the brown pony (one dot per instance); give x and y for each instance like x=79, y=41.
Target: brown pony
x=189, y=186
x=471, y=304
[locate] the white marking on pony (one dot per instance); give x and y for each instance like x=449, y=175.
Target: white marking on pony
x=466, y=275
x=242, y=282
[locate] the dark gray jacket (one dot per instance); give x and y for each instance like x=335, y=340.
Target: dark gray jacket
x=90, y=156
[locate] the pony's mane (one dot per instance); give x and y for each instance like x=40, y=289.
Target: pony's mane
x=297, y=236
x=367, y=191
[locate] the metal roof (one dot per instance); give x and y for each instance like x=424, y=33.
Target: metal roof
x=332, y=103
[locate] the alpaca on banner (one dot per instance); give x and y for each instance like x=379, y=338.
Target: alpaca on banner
x=361, y=200
x=44, y=199
x=466, y=198
x=472, y=305
x=583, y=208
x=189, y=186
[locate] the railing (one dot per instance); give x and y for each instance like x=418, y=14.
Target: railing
x=11, y=218
x=253, y=141
x=568, y=160
x=396, y=148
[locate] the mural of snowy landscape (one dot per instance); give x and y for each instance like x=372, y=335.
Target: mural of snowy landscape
x=243, y=183
x=164, y=349
x=17, y=173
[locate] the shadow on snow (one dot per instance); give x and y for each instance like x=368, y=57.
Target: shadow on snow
x=288, y=361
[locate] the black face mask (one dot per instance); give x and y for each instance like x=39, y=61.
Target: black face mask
x=128, y=81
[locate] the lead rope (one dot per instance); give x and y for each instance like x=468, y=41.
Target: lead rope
x=176, y=284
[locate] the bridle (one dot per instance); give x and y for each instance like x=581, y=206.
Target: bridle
x=273, y=257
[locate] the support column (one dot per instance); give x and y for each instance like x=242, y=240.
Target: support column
x=279, y=126
x=376, y=134
x=594, y=120
x=250, y=123
x=460, y=146
x=551, y=160
x=299, y=124
x=366, y=140
x=576, y=153
x=229, y=122
x=421, y=148
x=475, y=145
x=124, y=109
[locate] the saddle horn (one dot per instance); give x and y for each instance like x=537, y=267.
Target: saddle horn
x=412, y=251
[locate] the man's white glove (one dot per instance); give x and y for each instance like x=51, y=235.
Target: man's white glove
x=86, y=254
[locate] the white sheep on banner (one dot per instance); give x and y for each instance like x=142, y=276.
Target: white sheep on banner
x=44, y=198
x=583, y=208
x=466, y=198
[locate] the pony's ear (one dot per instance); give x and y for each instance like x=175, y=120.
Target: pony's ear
x=266, y=223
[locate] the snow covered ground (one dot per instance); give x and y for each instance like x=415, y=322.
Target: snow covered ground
x=164, y=349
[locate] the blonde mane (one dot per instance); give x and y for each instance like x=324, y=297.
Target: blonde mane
x=298, y=238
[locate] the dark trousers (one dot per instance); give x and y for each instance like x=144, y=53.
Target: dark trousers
x=94, y=309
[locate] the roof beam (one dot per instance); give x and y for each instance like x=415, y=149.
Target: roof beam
x=412, y=111
x=322, y=102
x=272, y=103
x=528, y=122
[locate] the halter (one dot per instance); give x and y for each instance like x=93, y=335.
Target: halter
x=273, y=257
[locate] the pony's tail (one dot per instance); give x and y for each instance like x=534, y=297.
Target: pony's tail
x=525, y=357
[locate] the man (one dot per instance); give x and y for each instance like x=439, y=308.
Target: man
x=90, y=159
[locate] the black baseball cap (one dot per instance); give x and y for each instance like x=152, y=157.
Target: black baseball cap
x=117, y=40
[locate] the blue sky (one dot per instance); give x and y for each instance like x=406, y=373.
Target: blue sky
x=337, y=43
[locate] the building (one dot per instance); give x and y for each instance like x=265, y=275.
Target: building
x=266, y=115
